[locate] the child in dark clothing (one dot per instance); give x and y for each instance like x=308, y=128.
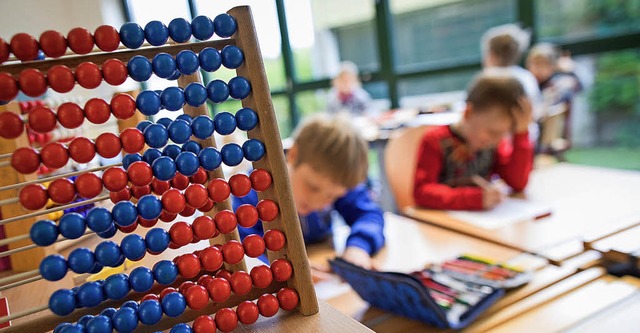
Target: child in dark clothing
x=451, y=158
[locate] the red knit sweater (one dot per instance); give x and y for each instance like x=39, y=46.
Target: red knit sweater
x=445, y=167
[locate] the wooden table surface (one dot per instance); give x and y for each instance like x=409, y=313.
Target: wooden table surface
x=587, y=203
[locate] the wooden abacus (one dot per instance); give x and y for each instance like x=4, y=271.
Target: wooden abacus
x=273, y=161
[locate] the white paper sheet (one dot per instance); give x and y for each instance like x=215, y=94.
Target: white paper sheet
x=507, y=212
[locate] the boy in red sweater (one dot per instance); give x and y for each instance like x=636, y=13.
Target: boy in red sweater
x=491, y=138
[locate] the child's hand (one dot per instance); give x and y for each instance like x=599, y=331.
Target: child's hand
x=522, y=115
x=357, y=256
x=491, y=197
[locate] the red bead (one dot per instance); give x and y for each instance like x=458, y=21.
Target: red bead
x=4, y=51
x=240, y=185
x=128, y=229
x=181, y=233
x=184, y=286
x=180, y=181
x=261, y=276
x=166, y=291
x=53, y=44
x=148, y=297
x=225, y=221
x=42, y=120
x=106, y=38
x=24, y=47
x=197, y=297
x=203, y=227
x=268, y=305
x=223, y=274
x=173, y=201
x=140, y=173
x=267, y=210
x=253, y=245
x=281, y=269
x=226, y=320
x=232, y=252
x=97, y=111
x=61, y=191
x=211, y=259
x=82, y=150
x=207, y=207
x=88, y=185
x=11, y=125
x=32, y=82
x=8, y=87
x=70, y=115
x=140, y=191
x=123, y=195
x=205, y=280
x=132, y=140
x=33, y=196
x=219, y=290
x=288, y=298
x=115, y=179
x=247, y=215
x=219, y=190
x=274, y=239
x=248, y=312
x=25, y=160
x=147, y=223
x=187, y=211
x=200, y=177
x=108, y=145
x=61, y=78
x=123, y=106
x=88, y=75
x=114, y=72
x=196, y=195
x=80, y=40
x=188, y=265
x=260, y=179
x=204, y=324
x=160, y=186
x=54, y=155
x=240, y=283
x=167, y=217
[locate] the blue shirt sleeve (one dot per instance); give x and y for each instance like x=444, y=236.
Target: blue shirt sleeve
x=365, y=218
x=251, y=199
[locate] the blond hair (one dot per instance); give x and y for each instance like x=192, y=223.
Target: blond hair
x=546, y=52
x=506, y=43
x=332, y=147
x=490, y=90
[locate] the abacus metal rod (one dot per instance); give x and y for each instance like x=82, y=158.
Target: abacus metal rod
x=20, y=276
x=23, y=313
x=51, y=210
x=20, y=283
x=52, y=178
x=8, y=201
x=13, y=239
x=5, y=164
x=30, y=246
x=17, y=250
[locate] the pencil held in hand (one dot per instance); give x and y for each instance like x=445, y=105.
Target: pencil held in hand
x=491, y=194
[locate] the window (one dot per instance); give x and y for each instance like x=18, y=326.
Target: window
x=143, y=11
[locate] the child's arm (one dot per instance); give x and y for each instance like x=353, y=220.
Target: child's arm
x=251, y=199
x=364, y=217
x=427, y=192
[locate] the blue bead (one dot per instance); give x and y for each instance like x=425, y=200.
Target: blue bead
x=187, y=62
x=164, y=65
x=209, y=158
x=116, y=286
x=172, y=98
x=156, y=33
x=157, y=240
x=253, y=149
x=130, y=304
x=133, y=247
x=164, y=168
x=125, y=320
x=72, y=328
x=217, y=91
x=141, y=279
x=148, y=103
x=247, y=119
x=202, y=127
x=62, y=302
x=171, y=151
x=232, y=56
x=84, y=320
x=124, y=213
x=224, y=123
x=108, y=312
x=181, y=328
x=139, y=68
x=185, y=117
x=131, y=35
x=231, y=154
x=60, y=326
x=90, y=294
x=108, y=233
x=192, y=146
x=99, y=219
x=81, y=260
x=150, y=312
x=239, y=87
x=149, y=207
x=165, y=272
x=44, y=233
x=176, y=74
x=130, y=158
x=108, y=253
x=97, y=267
x=174, y=304
x=187, y=163
x=195, y=94
x=150, y=155
x=164, y=121
x=179, y=30
x=156, y=135
x=179, y=131
x=202, y=27
x=99, y=324
x=142, y=125
x=225, y=25
x=210, y=59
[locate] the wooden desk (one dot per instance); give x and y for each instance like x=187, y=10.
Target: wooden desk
x=588, y=203
x=622, y=247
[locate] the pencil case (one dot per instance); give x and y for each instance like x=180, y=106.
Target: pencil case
x=407, y=296
x=482, y=271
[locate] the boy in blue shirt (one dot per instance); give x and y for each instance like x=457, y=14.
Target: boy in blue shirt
x=327, y=166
